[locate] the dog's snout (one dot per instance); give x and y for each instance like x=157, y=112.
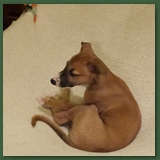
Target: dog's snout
x=53, y=81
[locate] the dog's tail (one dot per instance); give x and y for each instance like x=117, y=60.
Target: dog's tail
x=54, y=126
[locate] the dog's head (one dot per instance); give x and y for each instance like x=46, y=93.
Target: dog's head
x=83, y=68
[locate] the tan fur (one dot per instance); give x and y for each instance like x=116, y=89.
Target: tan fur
x=110, y=117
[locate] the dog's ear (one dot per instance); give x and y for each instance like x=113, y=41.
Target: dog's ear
x=86, y=46
x=96, y=66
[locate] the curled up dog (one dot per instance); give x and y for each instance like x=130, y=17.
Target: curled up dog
x=110, y=117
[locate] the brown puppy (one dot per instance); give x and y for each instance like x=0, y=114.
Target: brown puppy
x=110, y=117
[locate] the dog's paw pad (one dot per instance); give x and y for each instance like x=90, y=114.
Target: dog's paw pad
x=41, y=100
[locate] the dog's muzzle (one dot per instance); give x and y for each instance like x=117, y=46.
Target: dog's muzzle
x=61, y=81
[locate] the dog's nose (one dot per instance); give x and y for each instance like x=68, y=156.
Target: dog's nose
x=53, y=81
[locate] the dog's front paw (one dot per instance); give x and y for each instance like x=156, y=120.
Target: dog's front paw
x=41, y=100
x=46, y=101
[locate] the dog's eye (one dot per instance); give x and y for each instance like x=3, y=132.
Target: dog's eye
x=73, y=73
